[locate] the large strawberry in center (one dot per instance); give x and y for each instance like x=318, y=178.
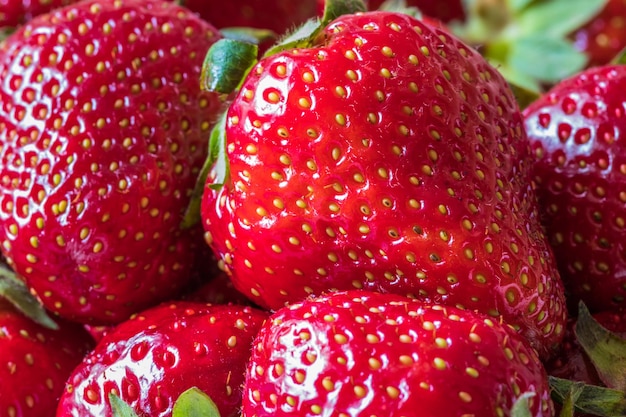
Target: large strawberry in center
x=389, y=156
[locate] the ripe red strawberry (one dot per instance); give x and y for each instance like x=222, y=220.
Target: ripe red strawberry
x=577, y=133
x=604, y=36
x=35, y=362
x=363, y=353
x=149, y=360
x=17, y=12
x=390, y=156
x=102, y=133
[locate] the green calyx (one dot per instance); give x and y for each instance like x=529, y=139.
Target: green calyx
x=528, y=40
x=192, y=402
x=15, y=292
x=607, y=352
x=225, y=67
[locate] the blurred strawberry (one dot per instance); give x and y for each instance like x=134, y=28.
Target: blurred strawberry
x=16, y=12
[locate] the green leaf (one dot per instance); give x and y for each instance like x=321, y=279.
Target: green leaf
x=16, y=292
x=589, y=399
x=545, y=59
x=606, y=350
x=216, y=159
x=248, y=34
x=521, y=407
x=523, y=96
x=557, y=18
x=226, y=63
x=120, y=408
x=567, y=407
x=195, y=403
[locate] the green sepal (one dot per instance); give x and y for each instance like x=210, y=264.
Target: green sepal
x=589, y=399
x=335, y=8
x=226, y=63
x=521, y=406
x=195, y=403
x=606, y=350
x=119, y=407
x=248, y=34
x=16, y=292
x=216, y=160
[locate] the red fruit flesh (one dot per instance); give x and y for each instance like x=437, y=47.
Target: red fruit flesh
x=366, y=354
x=577, y=133
x=151, y=359
x=391, y=157
x=103, y=131
x=36, y=362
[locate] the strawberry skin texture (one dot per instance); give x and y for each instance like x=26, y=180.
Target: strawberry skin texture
x=36, y=362
x=577, y=134
x=102, y=133
x=391, y=158
x=149, y=360
x=360, y=353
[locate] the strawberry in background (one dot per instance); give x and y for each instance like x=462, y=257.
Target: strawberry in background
x=604, y=36
x=103, y=132
x=16, y=12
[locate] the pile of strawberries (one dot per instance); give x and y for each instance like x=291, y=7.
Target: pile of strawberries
x=312, y=208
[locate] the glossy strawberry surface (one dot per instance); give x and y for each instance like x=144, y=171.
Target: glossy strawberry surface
x=149, y=360
x=391, y=157
x=577, y=133
x=36, y=362
x=364, y=354
x=102, y=133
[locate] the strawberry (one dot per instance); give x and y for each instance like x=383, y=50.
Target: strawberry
x=17, y=12
x=152, y=358
x=580, y=171
x=389, y=156
x=36, y=362
x=365, y=353
x=604, y=36
x=102, y=133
